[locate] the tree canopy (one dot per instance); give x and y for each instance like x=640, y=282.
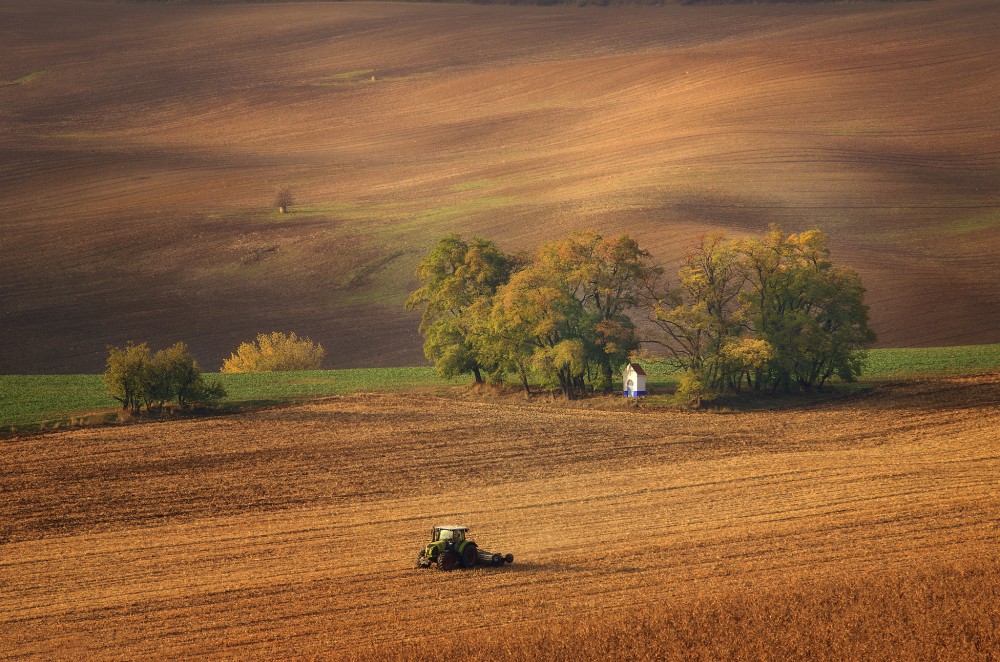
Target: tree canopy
x=561, y=314
x=458, y=280
x=770, y=312
x=136, y=377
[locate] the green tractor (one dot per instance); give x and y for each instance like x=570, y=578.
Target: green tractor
x=450, y=548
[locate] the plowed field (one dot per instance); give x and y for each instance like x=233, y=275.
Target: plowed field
x=142, y=143
x=293, y=530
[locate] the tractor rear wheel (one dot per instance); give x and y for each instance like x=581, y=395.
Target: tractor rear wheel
x=470, y=555
x=447, y=561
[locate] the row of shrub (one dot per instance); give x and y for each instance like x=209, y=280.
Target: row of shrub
x=137, y=377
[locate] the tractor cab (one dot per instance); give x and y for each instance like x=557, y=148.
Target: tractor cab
x=451, y=536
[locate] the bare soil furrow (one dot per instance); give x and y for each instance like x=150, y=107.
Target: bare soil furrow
x=295, y=528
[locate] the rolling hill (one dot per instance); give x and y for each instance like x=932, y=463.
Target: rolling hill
x=141, y=146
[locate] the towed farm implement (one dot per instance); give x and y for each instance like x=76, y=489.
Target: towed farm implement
x=450, y=548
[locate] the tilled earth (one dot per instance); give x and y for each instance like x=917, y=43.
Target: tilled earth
x=142, y=143
x=293, y=530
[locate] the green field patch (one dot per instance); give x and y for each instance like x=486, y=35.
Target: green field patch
x=463, y=208
x=478, y=184
x=986, y=221
x=955, y=228
x=342, y=210
x=29, y=78
x=385, y=282
x=912, y=362
x=410, y=229
x=289, y=386
x=31, y=399
x=32, y=402
x=344, y=78
x=886, y=363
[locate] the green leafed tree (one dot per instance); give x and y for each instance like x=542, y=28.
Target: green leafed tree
x=135, y=377
x=703, y=311
x=125, y=374
x=772, y=312
x=541, y=321
x=274, y=352
x=177, y=374
x=457, y=282
x=568, y=311
x=812, y=313
x=609, y=276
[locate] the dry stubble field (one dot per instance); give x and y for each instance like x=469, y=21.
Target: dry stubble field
x=865, y=527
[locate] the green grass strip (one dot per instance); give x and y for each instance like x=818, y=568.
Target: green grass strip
x=916, y=362
x=30, y=401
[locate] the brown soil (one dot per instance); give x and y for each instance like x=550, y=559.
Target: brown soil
x=293, y=530
x=139, y=163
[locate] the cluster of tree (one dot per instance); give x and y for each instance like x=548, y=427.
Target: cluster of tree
x=276, y=351
x=770, y=312
x=137, y=377
x=561, y=315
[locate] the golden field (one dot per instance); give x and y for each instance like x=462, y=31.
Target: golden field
x=141, y=145
x=864, y=527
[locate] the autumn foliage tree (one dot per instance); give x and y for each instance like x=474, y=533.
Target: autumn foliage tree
x=275, y=351
x=561, y=315
x=178, y=368
x=768, y=313
x=568, y=310
x=811, y=313
x=124, y=376
x=772, y=312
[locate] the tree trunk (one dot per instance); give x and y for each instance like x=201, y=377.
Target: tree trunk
x=566, y=384
x=475, y=371
x=609, y=385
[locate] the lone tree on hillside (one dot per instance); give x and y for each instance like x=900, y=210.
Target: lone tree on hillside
x=284, y=199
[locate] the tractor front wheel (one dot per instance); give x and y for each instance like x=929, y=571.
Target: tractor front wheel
x=447, y=561
x=422, y=560
x=470, y=555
